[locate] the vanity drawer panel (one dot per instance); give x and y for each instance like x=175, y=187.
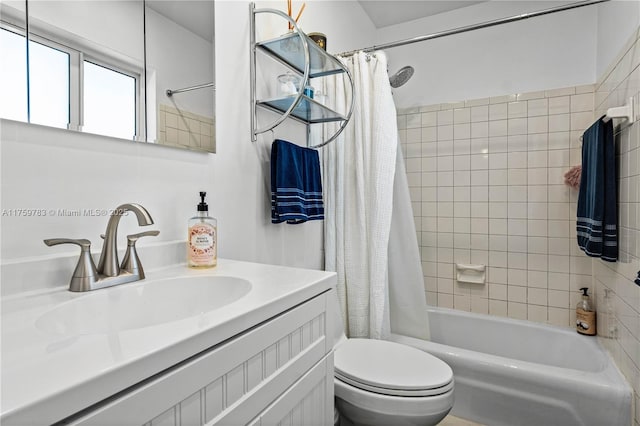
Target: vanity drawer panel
x=230, y=383
x=308, y=402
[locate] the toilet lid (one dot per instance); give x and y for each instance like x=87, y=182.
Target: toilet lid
x=391, y=368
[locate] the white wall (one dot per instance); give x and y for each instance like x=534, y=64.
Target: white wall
x=49, y=168
x=241, y=167
x=617, y=21
x=541, y=53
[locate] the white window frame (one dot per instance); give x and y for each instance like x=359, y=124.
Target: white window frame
x=78, y=53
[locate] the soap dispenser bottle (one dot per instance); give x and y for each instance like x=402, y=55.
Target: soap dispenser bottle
x=202, y=239
x=585, y=315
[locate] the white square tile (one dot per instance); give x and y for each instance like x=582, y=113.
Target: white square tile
x=538, y=263
x=537, y=141
x=461, y=162
x=516, y=293
x=537, y=296
x=498, y=243
x=498, y=308
x=498, y=210
x=498, y=112
x=559, y=211
x=537, y=176
x=581, y=121
x=537, y=313
x=498, y=128
x=517, y=243
x=461, y=178
x=537, y=245
x=429, y=179
x=517, y=160
x=517, y=193
x=445, y=194
x=445, y=163
x=498, y=161
x=462, y=147
x=538, y=124
x=446, y=132
x=479, y=113
x=517, y=109
x=560, y=105
x=479, y=241
x=479, y=161
x=517, y=126
x=537, y=211
x=462, y=131
x=498, y=144
x=479, y=226
x=537, y=159
x=558, y=298
x=479, y=177
x=480, y=194
x=517, y=143
x=559, y=123
x=429, y=119
x=414, y=121
x=517, y=177
x=537, y=228
x=499, y=176
x=537, y=193
x=462, y=115
x=480, y=129
x=429, y=134
x=583, y=102
x=498, y=226
x=497, y=286
x=537, y=107
x=559, y=228
x=517, y=210
x=516, y=310
x=445, y=117
x=479, y=145
x=559, y=158
x=559, y=246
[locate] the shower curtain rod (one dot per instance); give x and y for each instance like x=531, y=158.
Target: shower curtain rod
x=476, y=26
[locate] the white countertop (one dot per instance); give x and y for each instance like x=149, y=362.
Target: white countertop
x=47, y=377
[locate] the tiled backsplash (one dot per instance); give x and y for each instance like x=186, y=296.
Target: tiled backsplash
x=185, y=129
x=487, y=184
x=617, y=296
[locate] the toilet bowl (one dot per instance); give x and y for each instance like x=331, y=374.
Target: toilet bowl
x=381, y=383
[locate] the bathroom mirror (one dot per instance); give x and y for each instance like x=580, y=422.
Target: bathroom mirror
x=87, y=69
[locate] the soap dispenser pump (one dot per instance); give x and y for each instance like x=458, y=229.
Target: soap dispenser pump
x=585, y=315
x=202, y=251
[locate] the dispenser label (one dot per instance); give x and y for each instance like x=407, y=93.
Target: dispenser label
x=202, y=245
x=586, y=322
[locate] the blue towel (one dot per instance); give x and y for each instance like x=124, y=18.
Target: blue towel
x=296, y=185
x=597, y=214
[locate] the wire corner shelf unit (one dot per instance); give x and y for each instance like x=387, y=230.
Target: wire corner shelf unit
x=304, y=57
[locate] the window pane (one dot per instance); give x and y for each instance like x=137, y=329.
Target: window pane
x=49, y=85
x=13, y=76
x=109, y=102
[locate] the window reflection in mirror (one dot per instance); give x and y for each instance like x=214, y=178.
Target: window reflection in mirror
x=85, y=68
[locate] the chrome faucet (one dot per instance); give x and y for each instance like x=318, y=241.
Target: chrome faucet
x=86, y=276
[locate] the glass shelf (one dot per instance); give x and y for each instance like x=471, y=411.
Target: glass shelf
x=307, y=110
x=288, y=49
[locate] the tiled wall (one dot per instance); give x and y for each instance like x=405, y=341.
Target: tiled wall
x=487, y=185
x=618, y=297
x=185, y=129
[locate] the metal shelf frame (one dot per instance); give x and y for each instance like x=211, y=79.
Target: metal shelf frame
x=310, y=62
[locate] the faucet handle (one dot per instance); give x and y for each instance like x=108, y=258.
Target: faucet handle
x=85, y=275
x=131, y=261
x=131, y=239
x=84, y=244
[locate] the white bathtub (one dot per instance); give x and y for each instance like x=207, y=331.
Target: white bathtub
x=510, y=372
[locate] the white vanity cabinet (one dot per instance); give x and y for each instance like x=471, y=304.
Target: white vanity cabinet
x=277, y=372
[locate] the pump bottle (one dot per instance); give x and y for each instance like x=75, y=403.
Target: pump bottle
x=585, y=315
x=202, y=238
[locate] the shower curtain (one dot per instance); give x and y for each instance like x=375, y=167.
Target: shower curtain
x=359, y=173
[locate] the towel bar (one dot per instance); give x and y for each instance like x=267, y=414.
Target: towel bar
x=625, y=111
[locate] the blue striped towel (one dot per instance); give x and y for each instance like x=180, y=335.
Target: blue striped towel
x=597, y=213
x=296, y=185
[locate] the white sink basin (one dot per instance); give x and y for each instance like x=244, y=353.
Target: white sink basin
x=133, y=306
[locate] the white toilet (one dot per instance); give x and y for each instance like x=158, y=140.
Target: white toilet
x=381, y=383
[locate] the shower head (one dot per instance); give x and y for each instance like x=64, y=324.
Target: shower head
x=401, y=77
